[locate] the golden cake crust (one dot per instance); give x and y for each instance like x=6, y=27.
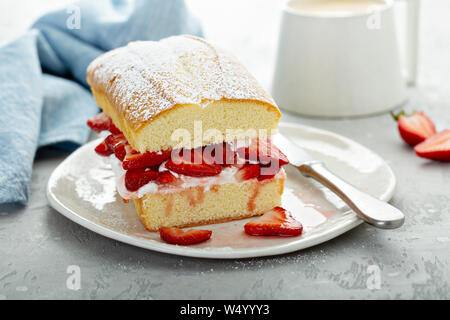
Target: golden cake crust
x=146, y=78
x=185, y=75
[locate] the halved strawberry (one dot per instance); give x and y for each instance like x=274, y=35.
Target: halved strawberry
x=263, y=177
x=134, y=159
x=221, y=153
x=276, y=222
x=136, y=178
x=414, y=128
x=436, y=147
x=268, y=171
x=117, y=143
x=103, y=150
x=99, y=122
x=113, y=129
x=185, y=238
x=263, y=151
x=191, y=163
x=247, y=172
x=167, y=178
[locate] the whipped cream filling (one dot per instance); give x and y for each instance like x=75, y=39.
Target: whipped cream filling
x=226, y=176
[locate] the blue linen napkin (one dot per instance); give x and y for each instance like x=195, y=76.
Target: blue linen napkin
x=44, y=97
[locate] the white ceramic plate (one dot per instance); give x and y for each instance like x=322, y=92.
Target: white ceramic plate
x=82, y=188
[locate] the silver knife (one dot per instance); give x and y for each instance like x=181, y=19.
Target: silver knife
x=378, y=213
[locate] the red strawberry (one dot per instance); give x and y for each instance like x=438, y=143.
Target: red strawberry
x=276, y=222
x=99, y=122
x=103, y=150
x=263, y=151
x=120, y=152
x=268, y=171
x=191, y=163
x=221, y=153
x=134, y=159
x=185, y=238
x=265, y=176
x=117, y=143
x=247, y=172
x=436, y=147
x=166, y=177
x=113, y=129
x=136, y=178
x=414, y=128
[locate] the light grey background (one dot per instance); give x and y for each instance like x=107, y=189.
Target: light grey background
x=37, y=244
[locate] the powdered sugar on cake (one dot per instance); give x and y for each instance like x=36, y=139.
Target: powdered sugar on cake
x=144, y=79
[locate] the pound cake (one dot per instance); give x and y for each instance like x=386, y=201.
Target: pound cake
x=188, y=132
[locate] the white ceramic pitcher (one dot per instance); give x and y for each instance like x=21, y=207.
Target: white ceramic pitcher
x=344, y=65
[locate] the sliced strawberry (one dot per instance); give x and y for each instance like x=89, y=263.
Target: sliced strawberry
x=436, y=147
x=134, y=159
x=262, y=150
x=136, y=178
x=221, y=153
x=276, y=222
x=99, y=122
x=247, y=172
x=120, y=152
x=263, y=177
x=414, y=128
x=167, y=178
x=191, y=163
x=117, y=143
x=113, y=129
x=114, y=139
x=185, y=238
x=268, y=171
x=103, y=150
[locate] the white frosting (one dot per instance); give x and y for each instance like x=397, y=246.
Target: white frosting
x=226, y=176
x=146, y=78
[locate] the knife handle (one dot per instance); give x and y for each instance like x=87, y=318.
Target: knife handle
x=372, y=210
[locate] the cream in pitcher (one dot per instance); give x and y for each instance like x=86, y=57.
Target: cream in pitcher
x=336, y=7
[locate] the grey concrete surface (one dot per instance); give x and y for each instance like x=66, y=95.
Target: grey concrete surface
x=37, y=244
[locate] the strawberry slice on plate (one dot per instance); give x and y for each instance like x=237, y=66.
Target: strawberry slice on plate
x=414, y=128
x=276, y=222
x=136, y=178
x=185, y=238
x=436, y=147
x=135, y=160
x=247, y=172
x=191, y=163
